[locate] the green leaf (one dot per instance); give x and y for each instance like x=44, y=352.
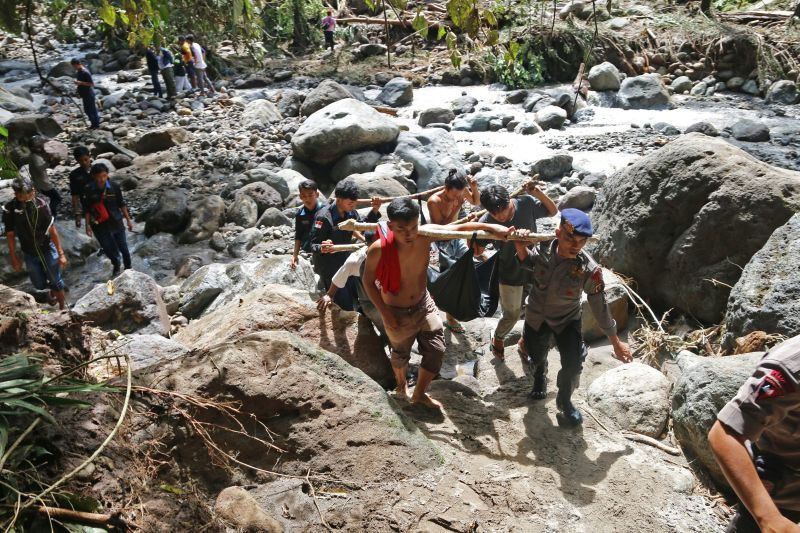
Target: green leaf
x=455, y=58
x=77, y=502
x=237, y=12
x=3, y=435
x=166, y=487
x=442, y=32
x=123, y=16
x=398, y=4
x=57, y=400
x=420, y=24
x=371, y=4
x=3, y=132
x=451, y=40
x=492, y=38
x=513, y=49
x=490, y=18
x=473, y=24
x=459, y=11
x=108, y=14
x=22, y=404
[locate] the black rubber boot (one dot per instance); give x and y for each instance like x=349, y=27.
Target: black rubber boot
x=569, y=415
x=539, y=391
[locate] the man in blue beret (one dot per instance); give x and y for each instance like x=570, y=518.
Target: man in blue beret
x=561, y=271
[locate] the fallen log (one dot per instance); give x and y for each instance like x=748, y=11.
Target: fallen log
x=446, y=235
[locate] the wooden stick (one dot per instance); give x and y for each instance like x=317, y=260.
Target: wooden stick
x=113, y=521
x=522, y=190
x=346, y=247
x=446, y=235
x=385, y=110
x=410, y=196
x=644, y=439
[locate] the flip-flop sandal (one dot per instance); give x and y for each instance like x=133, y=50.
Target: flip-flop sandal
x=458, y=328
x=497, y=352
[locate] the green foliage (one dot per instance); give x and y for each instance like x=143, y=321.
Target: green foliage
x=519, y=67
x=732, y=5
x=8, y=170
x=476, y=21
x=65, y=34
x=9, y=16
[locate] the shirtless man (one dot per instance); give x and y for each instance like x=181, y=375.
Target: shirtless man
x=399, y=263
x=444, y=207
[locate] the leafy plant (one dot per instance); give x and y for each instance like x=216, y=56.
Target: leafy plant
x=8, y=170
x=518, y=67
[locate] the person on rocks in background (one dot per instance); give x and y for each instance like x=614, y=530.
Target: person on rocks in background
x=521, y=213
x=328, y=27
x=165, y=65
x=325, y=232
x=37, y=169
x=78, y=179
x=561, y=271
x=182, y=84
x=304, y=219
x=200, y=66
x=756, y=441
x=28, y=218
x=85, y=85
x=188, y=61
x=396, y=281
x=152, y=68
x=105, y=212
x=444, y=207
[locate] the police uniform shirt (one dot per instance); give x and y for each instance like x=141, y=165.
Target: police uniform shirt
x=555, y=295
x=303, y=221
x=30, y=222
x=326, y=228
x=766, y=411
x=85, y=90
x=113, y=200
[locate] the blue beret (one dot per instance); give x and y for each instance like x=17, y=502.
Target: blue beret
x=578, y=221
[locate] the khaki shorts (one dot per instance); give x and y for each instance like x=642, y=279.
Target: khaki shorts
x=420, y=322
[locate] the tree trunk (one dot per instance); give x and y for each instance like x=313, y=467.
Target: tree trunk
x=301, y=38
x=705, y=7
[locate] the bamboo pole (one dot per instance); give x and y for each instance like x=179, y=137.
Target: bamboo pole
x=335, y=248
x=522, y=190
x=409, y=196
x=446, y=235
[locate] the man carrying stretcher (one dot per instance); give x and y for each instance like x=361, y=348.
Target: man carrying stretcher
x=395, y=279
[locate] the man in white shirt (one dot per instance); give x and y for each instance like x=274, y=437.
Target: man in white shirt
x=200, y=66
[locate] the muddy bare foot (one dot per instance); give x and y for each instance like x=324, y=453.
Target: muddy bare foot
x=426, y=400
x=401, y=391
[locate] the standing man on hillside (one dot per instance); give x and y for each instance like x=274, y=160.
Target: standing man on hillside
x=328, y=27
x=200, y=66
x=28, y=218
x=85, y=85
x=78, y=179
x=756, y=441
x=151, y=59
x=165, y=65
x=561, y=271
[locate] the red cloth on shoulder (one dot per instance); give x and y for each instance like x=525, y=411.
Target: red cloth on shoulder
x=388, y=270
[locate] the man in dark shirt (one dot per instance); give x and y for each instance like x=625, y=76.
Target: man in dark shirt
x=521, y=213
x=78, y=179
x=85, y=85
x=153, y=68
x=29, y=218
x=105, y=212
x=303, y=220
x=326, y=233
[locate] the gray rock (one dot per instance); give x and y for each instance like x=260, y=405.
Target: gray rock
x=618, y=23
x=188, y=265
x=617, y=299
x=706, y=384
x=681, y=84
x=551, y=117
x=735, y=83
x=273, y=217
x=260, y=113
x=643, y=92
x=159, y=140
x=357, y=163
x=237, y=507
x=474, y=122
x=767, y=295
x=326, y=93
x=11, y=102
x=751, y=87
x=750, y=131
x=170, y=214
x=706, y=128
x=26, y=126
x=687, y=213
x=463, y=104
x=553, y=167
x=580, y=197
x=635, y=396
x=147, y=351
x=435, y=115
x=699, y=89
x=63, y=68
x=516, y=97
x=293, y=180
x=243, y=211
x=533, y=99
x=398, y=92
x=666, y=129
x=528, y=128
x=135, y=306
x=594, y=179
x=289, y=102
x=604, y=77
x=244, y=241
x=343, y=127
x=372, y=184
x=262, y=194
x=171, y=294
x=206, y=215
x=433, y=152
x=370, y=49
x=782, y=92
x=114, y=99
x=102, y=146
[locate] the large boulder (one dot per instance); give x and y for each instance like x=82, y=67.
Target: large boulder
x=260, y=113
x=604, y=77
x=146, y=351
x=288, y=102
x=433, y=152
x=11, y=102
x=553, y=167
x=264, y=195
x=62, y=68
x=372, y=184
x=435, y=115
x=237, y=507
x=243, y=211
x=341, y=128
x=244, y=241
x=705, y=385
x=580, y=197
x=135, y=306
x=213, y=286
x=635, y=396
x=750, y=131
x=206, y=216
x=164, y=139
x=170, y=214
x=617, y=299
x=782, y=92
x=278, y=307
x=643, y=92
x=551, y=117
x=324, y=94
x=767, y=295
x=357, y=163
x=310, y=399
x=681, y=219
x=26, y=126
x=397, y=92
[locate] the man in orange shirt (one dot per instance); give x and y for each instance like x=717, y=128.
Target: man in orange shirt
x=188, y=60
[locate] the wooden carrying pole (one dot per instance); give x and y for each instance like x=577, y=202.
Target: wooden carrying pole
x=414, y=196
x=520, y=191
x=445, y=235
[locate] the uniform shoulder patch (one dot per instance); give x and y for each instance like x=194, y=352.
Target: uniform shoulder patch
x=596, y=283
x=774, y=385
x=318, y=223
